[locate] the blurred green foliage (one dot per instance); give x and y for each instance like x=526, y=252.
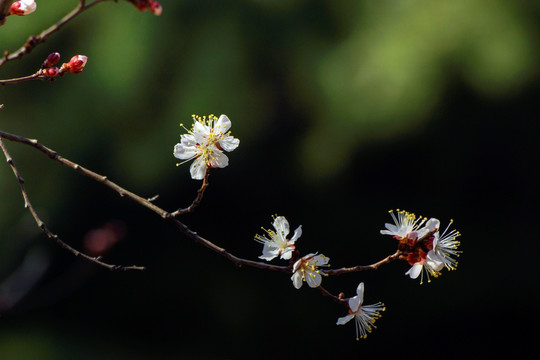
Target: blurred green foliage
x=390, y=72
x=358, y=72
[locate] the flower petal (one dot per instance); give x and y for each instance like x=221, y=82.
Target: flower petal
x=431, y=224
x=391, y=229
x=218, y=159
x=313, y=279
x=198, y=169
x=355, y=302
x=414, y=271
x=345, y=319
x=188, y=140
x=297, y=234
x=229, y=143
x=222, y=125
x=321, y=260
x=287, y=253
x=184, y=153
x=297, y=280
x=360, y=292
x=434, y=261
x=281, y=225
x=200, y=130
x=269, y=252
x=297, y=265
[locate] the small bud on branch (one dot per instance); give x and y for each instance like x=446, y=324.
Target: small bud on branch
x=52, y=71
x=144, y=5
x=51, y=60
x=23, y=7
x=75, y=65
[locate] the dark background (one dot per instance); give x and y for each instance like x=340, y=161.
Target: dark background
x=344, y=110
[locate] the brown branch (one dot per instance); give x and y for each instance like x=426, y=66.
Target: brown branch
x=178, y=224
x=142, y=201
x=34, y=41
x=43, y=227
x=374, y=266
x=80, y=169
x=197, y=200
x=37, y=76
x=327, y=293
x=236, y=260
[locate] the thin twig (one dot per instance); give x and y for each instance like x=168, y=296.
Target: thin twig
x=95, y=176
x=374, y=266
x=142, y=201
x=43, y=227
x=37, y=76
x=197, y=200
x=327, y=293
x=33, y=41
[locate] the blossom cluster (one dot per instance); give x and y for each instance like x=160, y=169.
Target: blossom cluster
x=420, y=242
x=422, y=245
x=276, y=244
x=307, y=269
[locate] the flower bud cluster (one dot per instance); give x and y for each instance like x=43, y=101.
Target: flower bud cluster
x=75, y=65
x=144, y=5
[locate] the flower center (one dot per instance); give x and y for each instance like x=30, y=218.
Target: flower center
x=416, y=251
x=310, y=265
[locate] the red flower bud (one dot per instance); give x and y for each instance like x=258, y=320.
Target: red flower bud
x=155, y=7
x=51, y=71
x=141, y=5
x=75, y=65
x=23, y=7
x=51, y=60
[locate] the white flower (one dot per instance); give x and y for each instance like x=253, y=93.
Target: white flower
x=23, y=7
x=405, y=225
x=364, y=315
x=277, y=244
x=445, y=247
x=434, y=252
x=205, y=143
x=306, y=269
x=429, y=264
